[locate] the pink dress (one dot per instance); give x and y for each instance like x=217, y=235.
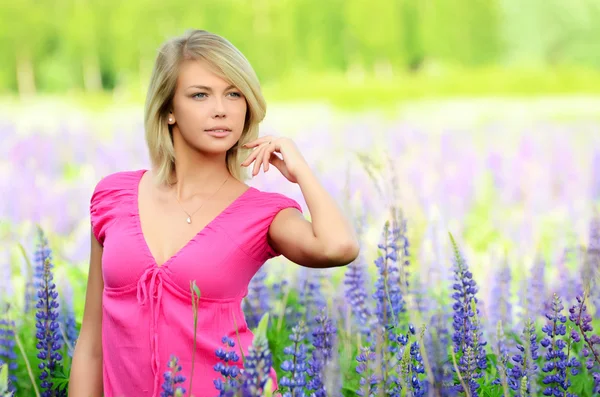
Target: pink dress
x=146, y=309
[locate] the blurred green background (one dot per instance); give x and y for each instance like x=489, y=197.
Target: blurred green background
x=353, y=53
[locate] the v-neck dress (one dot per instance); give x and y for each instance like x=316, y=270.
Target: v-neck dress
x=147, y=309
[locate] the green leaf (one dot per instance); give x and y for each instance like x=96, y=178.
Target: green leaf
x=3, y=379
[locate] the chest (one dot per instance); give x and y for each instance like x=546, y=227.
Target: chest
x=167, y=227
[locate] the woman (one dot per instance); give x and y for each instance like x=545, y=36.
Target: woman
x=192, y=218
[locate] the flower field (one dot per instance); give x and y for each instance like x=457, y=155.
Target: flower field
x=479, y=272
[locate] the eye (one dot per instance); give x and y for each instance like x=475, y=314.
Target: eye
x=200, y=93
x=236, y=93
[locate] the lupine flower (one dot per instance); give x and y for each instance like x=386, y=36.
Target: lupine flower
x=323, y=340
x=369, y=380
x=356, y=279
x=228, y=387
x=522, y=375
x=33, y=284
x=467, y=338
x=67, y=319
x=310, y=296
x=257, y=368
x=579, y=316
x=256, y=304
x=534, y=290
x=8, y=355
x=501, y=308
x=388, y=294
x=592, y=261
x=557, y=362
x=172, y=378
x=293, y=385
x=437, y=341
x=49, y=338
x=501, y=351
x=412, y=367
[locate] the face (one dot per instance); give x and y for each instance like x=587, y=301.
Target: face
x=204, y=101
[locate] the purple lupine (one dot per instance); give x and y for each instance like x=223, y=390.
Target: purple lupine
x=230, y=384
x=388, y=294
x=35, y=280
x=467, y=339
x=172, y=378
x=411, y=363
x=48, y=335
x=355, y=279
x=310, y=296
x=557, y=362
x=534, y=290
x=595, y=193
x=501, y=308
x=67, y=319
x=524, y=362
x=323, y=341
x=296, y=366
x=437, y=341
x=582, y=320
x=279, y=292
x=592, y=261
x=257, y=368
x=256, y=304
x=369, y=381
x=8, y=355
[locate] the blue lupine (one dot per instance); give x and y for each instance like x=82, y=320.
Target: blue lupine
x=501, y=308
x=257, y=368
x=172, y=378
x=416, y=368
x=534, y=290
x=323, y=341
x=369, y=381
x=256, y=304
x=294, y=383
x=310, y=296
x=437, y=341
x=230, y=384
x=595, y=193
x=467, y=338
x=579, y=316
x=35, y=280
x=67, y=319
x=356, y=279
x=557, y=361
x=8, y=355
x=388, y=294
x=593, y=261
x=525, y=365
x=49, y=338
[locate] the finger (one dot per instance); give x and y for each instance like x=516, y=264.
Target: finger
x=257, y=163
x=258, y=141
x=250, y=159
x=266, y=156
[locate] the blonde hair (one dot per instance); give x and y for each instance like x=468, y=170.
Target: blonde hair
x=226, y=61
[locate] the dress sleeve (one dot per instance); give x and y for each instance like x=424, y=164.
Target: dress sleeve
x=100, y=208
x=277, y=203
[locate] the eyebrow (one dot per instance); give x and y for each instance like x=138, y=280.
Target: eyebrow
x=203, y=87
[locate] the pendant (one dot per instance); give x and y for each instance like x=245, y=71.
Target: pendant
x=188, y=220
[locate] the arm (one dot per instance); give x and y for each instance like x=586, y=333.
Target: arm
x=328, y=241
x=86, y=369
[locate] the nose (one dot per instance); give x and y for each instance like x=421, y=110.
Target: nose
x=219, y=107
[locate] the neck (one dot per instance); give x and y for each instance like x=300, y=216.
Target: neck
x=201, y=176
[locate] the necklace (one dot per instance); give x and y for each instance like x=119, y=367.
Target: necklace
x=189, y=216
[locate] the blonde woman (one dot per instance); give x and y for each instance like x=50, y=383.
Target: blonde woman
x=192, y=217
